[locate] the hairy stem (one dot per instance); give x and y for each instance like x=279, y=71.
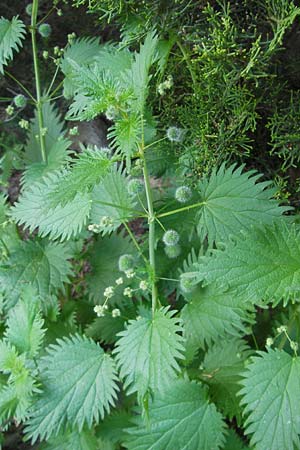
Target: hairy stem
x=33, y=29
x=151, y=222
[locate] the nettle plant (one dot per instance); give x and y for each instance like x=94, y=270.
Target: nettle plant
x=129, y=310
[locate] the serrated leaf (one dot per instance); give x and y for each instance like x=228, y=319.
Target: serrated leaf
x=57, y=157
x=271, y=397
x=79, y=387
x=105, y=329
x=25, y=324
x=263, y=263
x=83, y=51
x=233, y=201
x=42, y=265
x=87, y=171
x=111, y=198
x=104, y=257
x=73, y=440
x=222, y=367
x=11, y=35
x=113, y=427
x=181, y=419
x=212, y=315
x=55, y=132
x=234, y=442
x=148, y=350
x=126, y=134
x=34, y=210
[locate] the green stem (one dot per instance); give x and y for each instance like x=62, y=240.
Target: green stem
x=186, y=57
x=184, y=208
x=151, y=222
x=33, y=29
x=137, y=245
x=20, y=84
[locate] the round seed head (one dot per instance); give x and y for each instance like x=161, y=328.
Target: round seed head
x=172, y=251
x=175, y=134
x=135, y=186
x=171, y=237
x=45, y=30
x=183, y=194
x=125, y=262
x=20, y=101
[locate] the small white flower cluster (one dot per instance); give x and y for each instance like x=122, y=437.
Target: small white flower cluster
x=73, y=131
x=100, y=310
x=109, y=292
x=116, y=313
x=119, y=281
x=71, y=38
x=24, y=124
x=130, y=273
x=128, y=292
x=144, y=285
x=165, y=85
x=105, y=223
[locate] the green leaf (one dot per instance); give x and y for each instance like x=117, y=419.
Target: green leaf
x=233, y=201
x=105, y=329
x=42, y=265
x=11, y=35
x=84, y=440
x=79, y=387
x=222, y=367
x=87, y=171
x=126, y=134
x=54, y=134
x=234, y=442
x=34, y=210
x=16, y=396
x=138, y=75
x=83, y=51
x=103, y=258
x=212, y=315
x=147, y=352
x=111, y=199
x=25, y=324
x=113, y=427
x=182, y=419
x=271, y=396
x=56, y=159
x=263, y=263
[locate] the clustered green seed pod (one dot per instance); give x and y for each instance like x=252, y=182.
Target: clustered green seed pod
x=45, y=30
x=172, y=251
x=20, y=101
x=29, y=9
x=183, y=194
x=125, y=262
x=170, y=238
x=135, y=186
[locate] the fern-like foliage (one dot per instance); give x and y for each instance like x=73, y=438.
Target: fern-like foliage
x=84, y=52
x=181, y=418
x=43, y=265
x=79, y=387
x=148, y=350
x=87, y=171
x=211, y=315
x=25, y=324
x=12, y=33
x=263, y=263
x=271, y=396
x=232, y=201
x=222, y=367
x=16, y=396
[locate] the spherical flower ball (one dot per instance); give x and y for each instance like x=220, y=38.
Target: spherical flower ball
x=20, y=101
x=175, y=134
x=125, y=262
x=29, y=9
x=186, y=284
x=172, y=251
x=183, y=194
x=171, y=237
x=135, y=186
x=45, y=30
